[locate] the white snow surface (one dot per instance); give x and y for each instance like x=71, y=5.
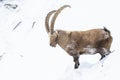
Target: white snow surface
x=25, y=53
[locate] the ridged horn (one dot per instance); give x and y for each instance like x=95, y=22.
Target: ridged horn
x=55, y=16
x=47, y=20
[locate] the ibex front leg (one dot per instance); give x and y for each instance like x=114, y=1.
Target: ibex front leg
x=75, y=56
x=70, y=48
x=76, y=60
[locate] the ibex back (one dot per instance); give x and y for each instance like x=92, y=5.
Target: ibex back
x=76, y=43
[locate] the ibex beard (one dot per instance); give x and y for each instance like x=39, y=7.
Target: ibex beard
x=76, y=43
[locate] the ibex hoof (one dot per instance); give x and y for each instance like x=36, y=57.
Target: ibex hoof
x=76, y=66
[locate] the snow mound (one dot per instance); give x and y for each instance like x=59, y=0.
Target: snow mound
x=106, y=69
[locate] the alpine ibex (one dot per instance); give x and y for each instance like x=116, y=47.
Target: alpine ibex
x=76, y=43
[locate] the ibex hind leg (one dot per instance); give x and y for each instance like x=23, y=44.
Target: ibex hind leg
x=103, y=53
x=106, y=54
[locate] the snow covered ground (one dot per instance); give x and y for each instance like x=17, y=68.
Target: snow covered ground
x=25, y=53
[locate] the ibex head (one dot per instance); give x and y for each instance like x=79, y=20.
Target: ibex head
x=50, y=30
x=53, y=39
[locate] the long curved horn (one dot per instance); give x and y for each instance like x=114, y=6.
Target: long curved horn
x=47, y=20
x=55, y=16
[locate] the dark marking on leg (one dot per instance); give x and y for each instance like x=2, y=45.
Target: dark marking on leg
x=102, y=56
x=76, y=60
